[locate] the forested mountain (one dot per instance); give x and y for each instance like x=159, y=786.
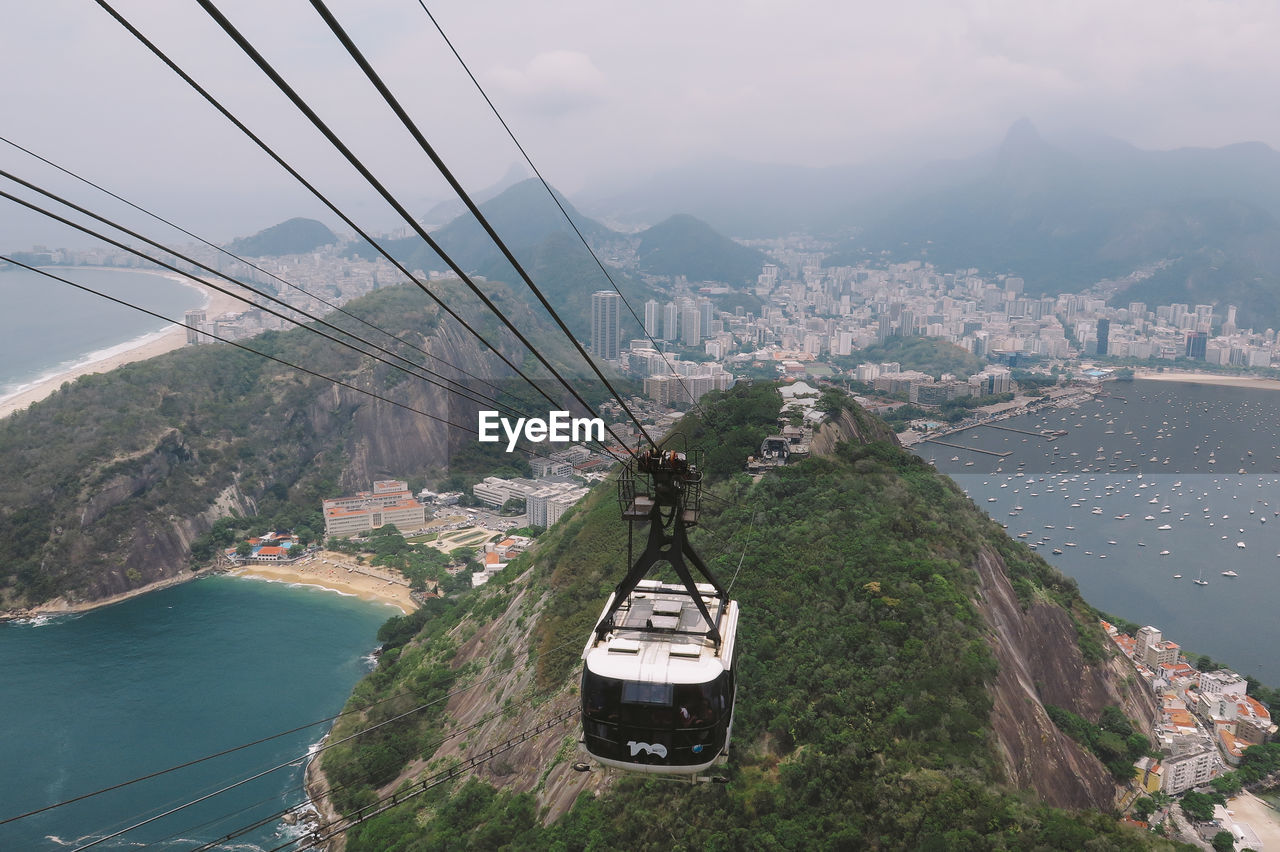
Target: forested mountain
x=896, y=655
x=110, y=481
x=545, y=245
x=295, y=236
x=683, y=245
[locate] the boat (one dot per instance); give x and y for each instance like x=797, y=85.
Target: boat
x=1164, y=553
x=1240, y=544
x=1142, y=544
x=1164, y=527
x=1230, y=574
x=1201, y=581
x=1177, y=576
x=1059, y=550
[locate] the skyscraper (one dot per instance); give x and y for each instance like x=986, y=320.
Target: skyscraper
x=1104, y=335
x=606, y=307
x=651, y=314
x=670, y=321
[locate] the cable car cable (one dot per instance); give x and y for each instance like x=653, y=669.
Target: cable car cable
x=216, y=104
x=399, y=797
x=464, y=394
x=274, y=358
x=545, y=185
x=276, y=768
x=461, y=192
x=373, y=181
x=246, y=261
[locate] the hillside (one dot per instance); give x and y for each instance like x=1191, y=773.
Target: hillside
x=296, y=236
x=683, y=245
x=897, y=652
x=110, y=482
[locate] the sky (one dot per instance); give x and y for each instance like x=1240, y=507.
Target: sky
x=601, y=93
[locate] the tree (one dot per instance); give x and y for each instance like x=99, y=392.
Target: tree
x=1144, y=808
x=1197, y=806
x=1224, y=841
x=244, y=549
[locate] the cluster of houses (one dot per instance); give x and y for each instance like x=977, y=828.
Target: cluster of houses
x=1206, y=721
x=497, y=555
x=270, y=547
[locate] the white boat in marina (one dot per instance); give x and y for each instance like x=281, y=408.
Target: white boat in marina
x=1164, y=527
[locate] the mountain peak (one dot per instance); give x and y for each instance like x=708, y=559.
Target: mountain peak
x=1022, y=138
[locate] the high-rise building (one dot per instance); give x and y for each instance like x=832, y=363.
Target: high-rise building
x=670, y=321
x=1104, y=335
x=690, y=326
x=1196, y=345
x=651, y=314
x=606, y=308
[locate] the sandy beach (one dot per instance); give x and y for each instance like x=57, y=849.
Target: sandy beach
x=171, y=338
x=1255, y=813
x=340, y=573
x=1209, y=379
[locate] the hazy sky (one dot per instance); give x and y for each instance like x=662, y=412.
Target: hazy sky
x=604, y=90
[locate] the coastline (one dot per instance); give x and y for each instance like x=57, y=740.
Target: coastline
x=337, y=572
x=61, y=606
x=1219, y=379
x=140, y=349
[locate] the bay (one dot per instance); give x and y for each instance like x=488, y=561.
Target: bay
x=94, y=699
x=47, y=327
x=1168, y=451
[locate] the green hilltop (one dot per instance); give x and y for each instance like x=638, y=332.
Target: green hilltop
x=295, y=236
x=886, y=626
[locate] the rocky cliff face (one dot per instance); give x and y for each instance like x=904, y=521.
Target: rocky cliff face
x=851, y=425
x=1040, y=662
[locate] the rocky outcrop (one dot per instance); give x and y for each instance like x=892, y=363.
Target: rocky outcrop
x=851, y=424
x=1040, y=663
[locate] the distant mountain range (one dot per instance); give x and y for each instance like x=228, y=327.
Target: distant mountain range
x=1061, y=216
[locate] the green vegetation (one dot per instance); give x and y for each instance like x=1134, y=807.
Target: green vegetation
x=683, y=245
x=1113, y=739
x=121, y=470
x=864, y=665
x=730, y=425
x=296, y=236
x=930, y=355
x=1199, y=806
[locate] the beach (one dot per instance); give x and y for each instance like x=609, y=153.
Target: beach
x=338, y=572
x=1209, y=379
x=171, y=338
x=1259, y=816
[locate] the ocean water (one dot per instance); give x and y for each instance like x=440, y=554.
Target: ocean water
x=48, y=326
x=1153, y=454
x=94, y=699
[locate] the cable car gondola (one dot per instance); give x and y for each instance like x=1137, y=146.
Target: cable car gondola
x=658, y=680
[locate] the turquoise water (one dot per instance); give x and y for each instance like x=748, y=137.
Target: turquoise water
x=1169, y=451
x=48, y=326
x=94, y=699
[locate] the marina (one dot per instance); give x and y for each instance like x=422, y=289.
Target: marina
x=1100, y=480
